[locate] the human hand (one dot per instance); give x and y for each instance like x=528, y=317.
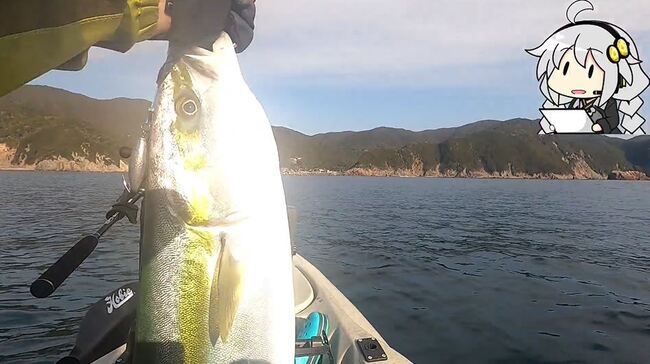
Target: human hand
x=195, y=22
x=601, y=127
x=164, y=20
x=597, y=128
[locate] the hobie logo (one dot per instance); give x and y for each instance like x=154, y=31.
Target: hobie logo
x=117, y=299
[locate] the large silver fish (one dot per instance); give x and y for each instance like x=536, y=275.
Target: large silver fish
x=216, y=268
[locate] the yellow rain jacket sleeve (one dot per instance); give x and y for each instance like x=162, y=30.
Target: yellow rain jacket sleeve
x=39, y=35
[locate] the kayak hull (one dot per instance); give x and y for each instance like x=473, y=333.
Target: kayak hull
x=103, y=335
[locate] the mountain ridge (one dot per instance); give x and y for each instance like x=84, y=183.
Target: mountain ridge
x=52, y=129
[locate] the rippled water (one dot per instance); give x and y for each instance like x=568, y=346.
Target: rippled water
x=449, y=271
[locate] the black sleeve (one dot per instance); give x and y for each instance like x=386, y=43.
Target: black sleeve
x=610, y=120
x=200, y=22
x=241, y=23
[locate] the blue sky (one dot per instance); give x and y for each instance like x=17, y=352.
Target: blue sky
x=331, y=65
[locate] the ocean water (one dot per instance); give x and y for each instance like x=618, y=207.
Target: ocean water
x=448, y=270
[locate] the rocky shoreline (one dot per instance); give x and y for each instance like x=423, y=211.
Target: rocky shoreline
x=78, y=163
x=373, y=172
x=102, y=164
x=63, y=165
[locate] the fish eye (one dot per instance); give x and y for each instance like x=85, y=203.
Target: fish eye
x=591, y=71
x=189, y=107
x=566, y=68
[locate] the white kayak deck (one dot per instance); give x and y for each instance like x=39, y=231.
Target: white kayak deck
x=314, y=292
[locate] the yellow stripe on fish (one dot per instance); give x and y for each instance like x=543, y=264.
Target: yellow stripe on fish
x=194, y=295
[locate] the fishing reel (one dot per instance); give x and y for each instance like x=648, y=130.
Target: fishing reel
x=137, y=158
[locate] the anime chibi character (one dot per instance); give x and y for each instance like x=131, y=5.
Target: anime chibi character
x=594, y=66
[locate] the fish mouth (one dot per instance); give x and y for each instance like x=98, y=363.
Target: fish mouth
x=578, y=92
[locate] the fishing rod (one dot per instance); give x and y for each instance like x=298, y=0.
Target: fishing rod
x=58, y=272
x=125, y=206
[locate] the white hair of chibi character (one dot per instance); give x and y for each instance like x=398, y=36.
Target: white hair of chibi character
x=582, y=39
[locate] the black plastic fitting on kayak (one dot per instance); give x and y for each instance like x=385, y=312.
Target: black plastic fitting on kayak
x=49, y=281
x=371, y=350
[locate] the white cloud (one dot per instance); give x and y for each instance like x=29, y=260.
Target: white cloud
x=411, y=42
x=404, y=43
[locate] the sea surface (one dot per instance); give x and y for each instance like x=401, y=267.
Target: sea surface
x=448, y=270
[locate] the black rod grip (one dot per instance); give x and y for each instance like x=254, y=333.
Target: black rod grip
x=49, y=281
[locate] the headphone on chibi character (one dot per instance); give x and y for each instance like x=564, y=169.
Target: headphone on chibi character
x=620, y=48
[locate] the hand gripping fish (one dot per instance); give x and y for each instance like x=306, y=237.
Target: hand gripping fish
x=216, y=268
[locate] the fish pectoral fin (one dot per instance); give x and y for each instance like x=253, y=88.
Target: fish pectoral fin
x=225, y=294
